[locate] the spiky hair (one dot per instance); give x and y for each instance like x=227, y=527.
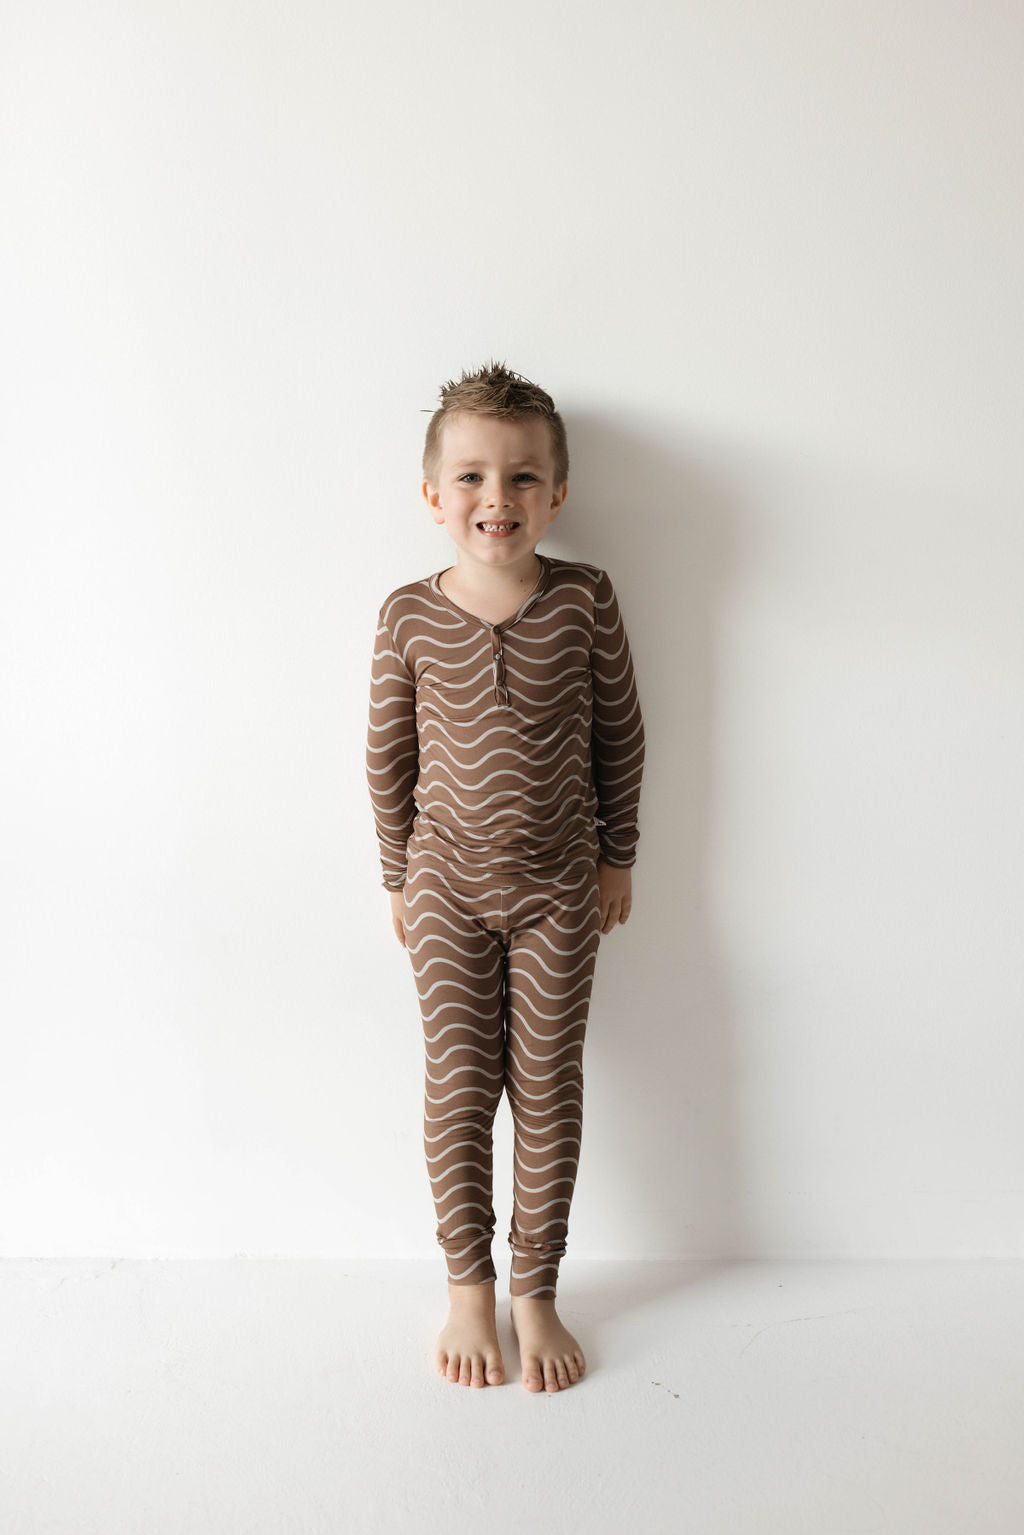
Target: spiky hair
x=494, y=390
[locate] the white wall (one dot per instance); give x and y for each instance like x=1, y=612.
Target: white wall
x=767, y=259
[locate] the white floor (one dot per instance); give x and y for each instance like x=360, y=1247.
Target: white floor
x=722, y=1398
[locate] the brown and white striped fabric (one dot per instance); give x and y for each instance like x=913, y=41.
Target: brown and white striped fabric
x=511, y=746
x=502, y=759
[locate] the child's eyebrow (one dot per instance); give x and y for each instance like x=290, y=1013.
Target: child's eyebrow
x=472, y=463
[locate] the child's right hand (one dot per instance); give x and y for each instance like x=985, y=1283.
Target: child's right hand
x=397, y=898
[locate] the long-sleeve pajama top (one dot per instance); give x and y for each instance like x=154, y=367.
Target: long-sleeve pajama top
x=499, y=748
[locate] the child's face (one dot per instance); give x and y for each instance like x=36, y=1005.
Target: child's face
x=495, y=470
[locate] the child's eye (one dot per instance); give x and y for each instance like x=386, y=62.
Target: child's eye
x=471, y=474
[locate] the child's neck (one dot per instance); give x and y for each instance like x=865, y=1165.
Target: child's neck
x=486, y=582
x=494, y=600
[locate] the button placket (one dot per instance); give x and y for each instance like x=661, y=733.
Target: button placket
x=498, y=666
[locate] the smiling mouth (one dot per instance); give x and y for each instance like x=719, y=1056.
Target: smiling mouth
x=500, y=527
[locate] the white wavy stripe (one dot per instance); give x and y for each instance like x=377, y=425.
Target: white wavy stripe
x=462, y=1251
x=476, y=1239
x=474, y=953
x=569, y=1161
x=467, y=1183
x=423, y=622
x=495, y=1053
x=486, y=670
x=458, y=1277
x=421, y=885
x=525, y=1134
x=469, y=1204
x=431, y=1039
x=616, y=743
x=491, y=977
x=434, y=871
x=525, y=973
x=550, y=1205
x=523, y=636
x=427, y=991
x=543, y=1167
x=521, y=1092
x=444, y=1135
x=506, y=772
x=382, y=652
x=518, y=1015
x=540, y=676
x=489, y=950
x=435, y=1100
x=549, y=1060
x=458, y=922
x=471, y=832
x=505, y=817
x=389, y=746
x=622, y=649
x=561, y=782
x=456, y=778
x=550, y=701
x=523, y=1131
x=544, y=1255
x=435, y=728
x=434, y=852
x=558, y=909
x=527, y=1250
x=472, y=972
x=537, y=668
x=397, y=701
x=433, y=915
x=575, y=1010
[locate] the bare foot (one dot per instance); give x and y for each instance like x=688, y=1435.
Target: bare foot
x=468, y=1352
x=552, y=1359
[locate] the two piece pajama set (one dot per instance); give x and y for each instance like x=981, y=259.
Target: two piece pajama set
x=502, y=760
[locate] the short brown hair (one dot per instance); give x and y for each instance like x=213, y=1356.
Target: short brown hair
x=494, y=390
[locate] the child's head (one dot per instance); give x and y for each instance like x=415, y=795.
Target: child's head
x=495, y=391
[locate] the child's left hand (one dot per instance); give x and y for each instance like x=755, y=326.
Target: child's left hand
x=616, y=894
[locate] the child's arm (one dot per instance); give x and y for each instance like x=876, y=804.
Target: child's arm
x=392, y=753
x=617, y=740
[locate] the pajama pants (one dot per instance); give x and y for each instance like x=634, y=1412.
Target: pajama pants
x=504, y=967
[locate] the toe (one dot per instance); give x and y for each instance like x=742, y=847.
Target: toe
x=571, y=1370
x=562, y=1373
x=550, y=1375
x=495, y=1370
x=453, y=1367
x=465, y=1371
x=533, y=1377
x=581, y=1362
x=477, y=1373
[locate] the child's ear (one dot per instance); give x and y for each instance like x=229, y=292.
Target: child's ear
x=433, y=499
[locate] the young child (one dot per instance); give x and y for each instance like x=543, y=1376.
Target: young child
x=504, y=759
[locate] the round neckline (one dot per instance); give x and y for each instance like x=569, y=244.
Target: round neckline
x=474, y=618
